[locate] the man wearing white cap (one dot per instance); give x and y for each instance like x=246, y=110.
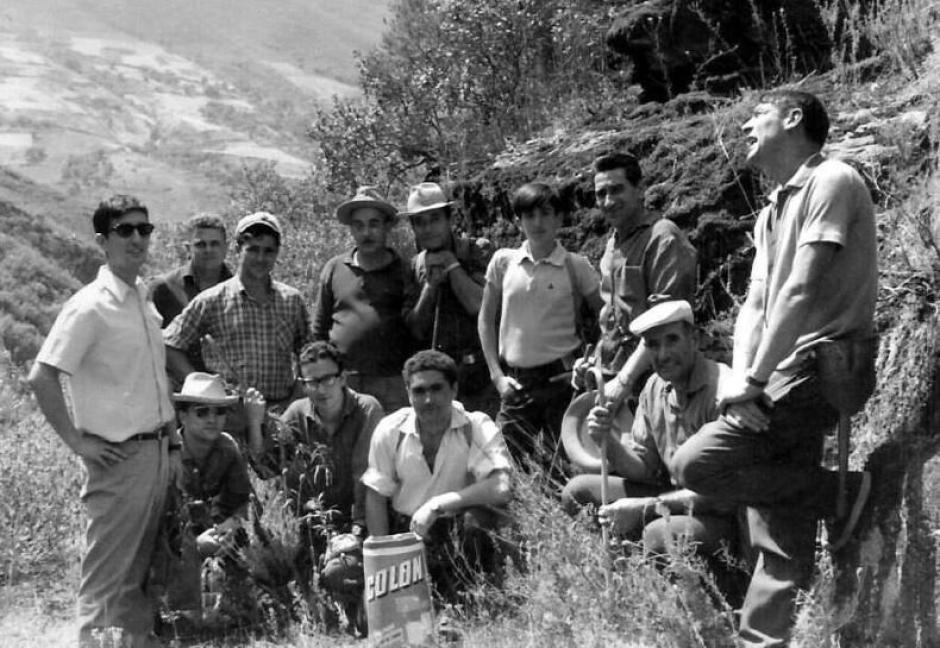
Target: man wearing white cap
x=258, y=324
x=676, y=401
x=451, y=271
x=106, y=340
x=361, y=300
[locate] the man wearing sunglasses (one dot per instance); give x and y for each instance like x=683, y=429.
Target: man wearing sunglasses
x=435, y=467
x=107, y=341
x=257, y=324
x=206, y=267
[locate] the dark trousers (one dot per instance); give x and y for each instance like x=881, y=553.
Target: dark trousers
x=530, y=418
x=777, y=475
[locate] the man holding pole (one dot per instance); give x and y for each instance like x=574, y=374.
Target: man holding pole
x=676, y=401
x=813, y=287
x=450, y=271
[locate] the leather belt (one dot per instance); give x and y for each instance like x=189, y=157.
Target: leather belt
x=156, y=435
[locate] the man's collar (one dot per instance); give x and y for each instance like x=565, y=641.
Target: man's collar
x=458, y=419
x=116, y=286
x=189, y=272
x=648, y=219
x=698, y=378
x=799, y=177
x=556, y=257
x=350, y=259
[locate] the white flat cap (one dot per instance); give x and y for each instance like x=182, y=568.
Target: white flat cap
x=663, y=313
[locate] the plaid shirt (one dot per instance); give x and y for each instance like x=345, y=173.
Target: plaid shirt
x=258, y=340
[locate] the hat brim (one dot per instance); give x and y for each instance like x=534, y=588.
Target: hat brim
x=439, y=205
x=203, y=400
x=580, y=448
x=345, y=210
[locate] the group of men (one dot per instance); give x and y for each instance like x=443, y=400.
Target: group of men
x=705, y=439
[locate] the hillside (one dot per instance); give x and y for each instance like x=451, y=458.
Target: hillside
x=165, y=100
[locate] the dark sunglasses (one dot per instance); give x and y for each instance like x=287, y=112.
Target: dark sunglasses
x=203, y=411
x=126, y=230
x=322, y=381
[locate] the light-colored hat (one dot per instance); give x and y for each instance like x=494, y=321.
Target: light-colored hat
x=660, y=314
x=365, y=197
x=425, y=197
x=205, y=388
x=259, y=218
x=582, y=452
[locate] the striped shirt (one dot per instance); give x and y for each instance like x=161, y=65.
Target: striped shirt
x=257, y=340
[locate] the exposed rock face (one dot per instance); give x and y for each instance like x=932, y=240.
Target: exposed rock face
x=719, y=45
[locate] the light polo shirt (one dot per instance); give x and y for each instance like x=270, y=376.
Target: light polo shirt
x=537, y=319
x=107, y=339
x=826, y=201
x=667, y=416
x=397, y=468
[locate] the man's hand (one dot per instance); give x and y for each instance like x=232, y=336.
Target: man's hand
x=435, y=264
x=506, y=385
x=625, y=516
x=600, y=423
x=424, y=518
x=740, y=403
x=254, y=404
x=95, y=449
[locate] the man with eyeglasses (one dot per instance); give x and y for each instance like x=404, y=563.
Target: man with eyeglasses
x=257, y=324
x=173, y=290
x=107, y=341
x=324, y=446
x=435, y=467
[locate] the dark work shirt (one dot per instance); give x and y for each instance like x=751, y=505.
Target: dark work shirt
x=220, y=479
x=171, y=291
x=361, y=312
x=331, y=466
x=456, y=328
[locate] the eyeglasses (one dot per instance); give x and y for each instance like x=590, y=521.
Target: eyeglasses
x=126, y=230
x=434, y=388
x=322, y=381
x=204, y=411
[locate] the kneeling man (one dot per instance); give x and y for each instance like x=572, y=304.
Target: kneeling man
x=433, y=466
x=676, y=401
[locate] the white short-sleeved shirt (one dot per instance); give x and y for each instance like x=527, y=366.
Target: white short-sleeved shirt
x=826, y=201
x=397, y=468
x=537, y=319
x=107, y=339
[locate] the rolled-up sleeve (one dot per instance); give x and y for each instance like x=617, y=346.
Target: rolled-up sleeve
x=381, y=475
x=488, y=451
x=185, y=329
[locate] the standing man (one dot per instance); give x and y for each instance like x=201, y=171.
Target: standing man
x=258, y=324
x=434, y=467
x=450, y=271
x=172, y=291
x=814, y=280
x=361, y=301
x=647, y=260
x=106, y=341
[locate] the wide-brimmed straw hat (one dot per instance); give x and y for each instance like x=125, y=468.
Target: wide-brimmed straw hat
x=365, y=197
x=204, y=388
x=426, y=197
x=579, y=446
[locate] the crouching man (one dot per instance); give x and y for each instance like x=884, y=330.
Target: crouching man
x=435, y=468
x=207, y=506
x=676, y=401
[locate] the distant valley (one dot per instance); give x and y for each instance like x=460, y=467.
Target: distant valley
x=165, y=99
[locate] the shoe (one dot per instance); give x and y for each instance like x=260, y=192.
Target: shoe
x=839, y=530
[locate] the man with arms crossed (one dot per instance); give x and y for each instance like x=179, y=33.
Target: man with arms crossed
x=814, y=279
x=106, y=340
